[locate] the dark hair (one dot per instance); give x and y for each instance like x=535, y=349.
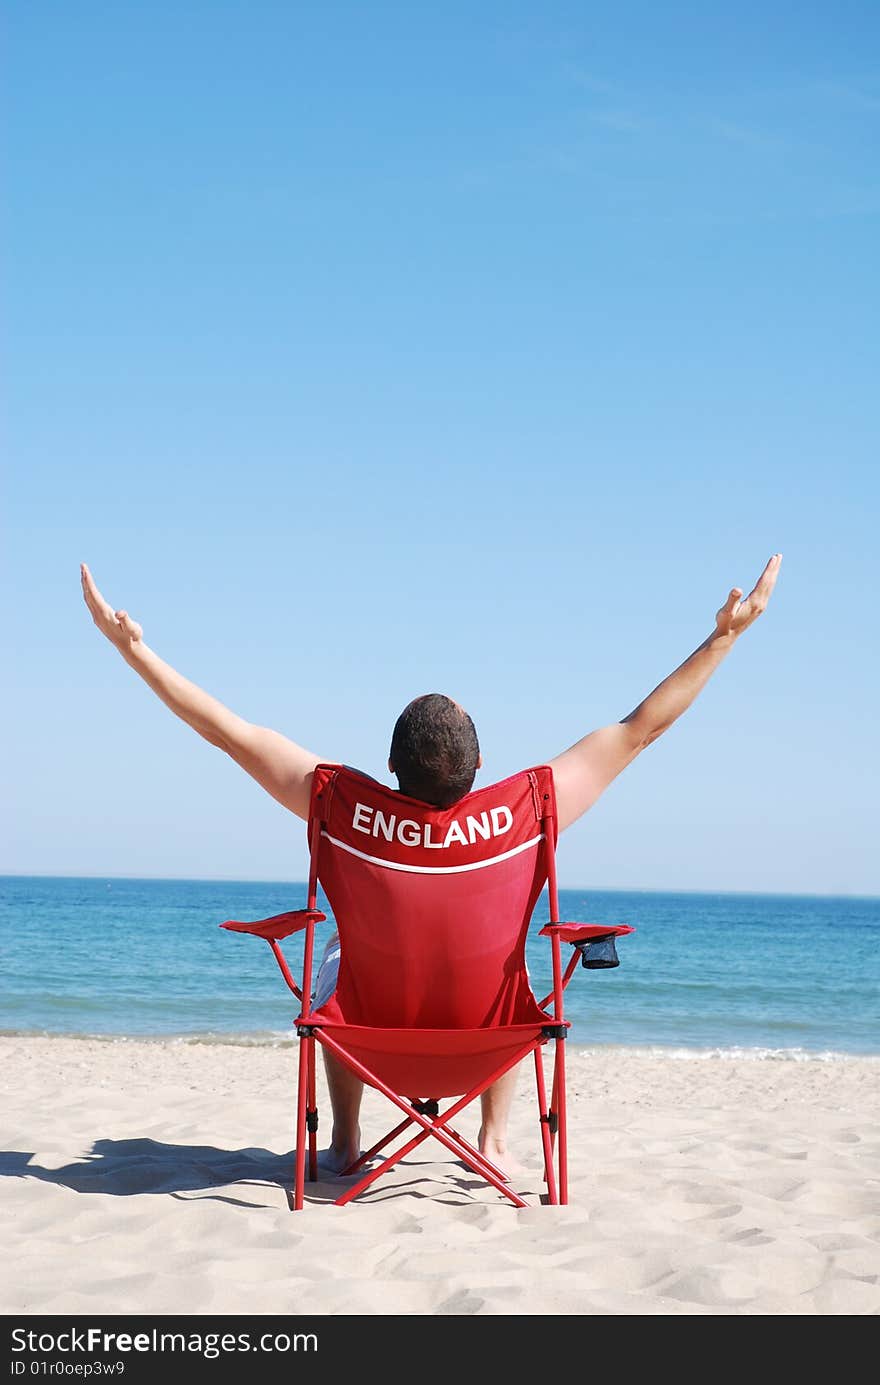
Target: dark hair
x=434, y=750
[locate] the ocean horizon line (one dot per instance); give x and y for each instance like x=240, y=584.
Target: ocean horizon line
x=575, y=889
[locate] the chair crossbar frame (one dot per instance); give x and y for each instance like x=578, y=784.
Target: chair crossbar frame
x=435, y=1126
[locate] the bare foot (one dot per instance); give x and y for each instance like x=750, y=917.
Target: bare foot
x=497, y=1153
x=336, y=1161
x=345, y=1149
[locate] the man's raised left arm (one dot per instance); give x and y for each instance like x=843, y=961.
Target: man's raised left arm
x=585, y=770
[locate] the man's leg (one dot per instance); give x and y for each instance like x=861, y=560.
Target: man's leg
x=496, y=1102
x=345, y=1091
x=344, y=1088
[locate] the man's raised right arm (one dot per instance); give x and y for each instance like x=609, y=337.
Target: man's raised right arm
x=283, y=768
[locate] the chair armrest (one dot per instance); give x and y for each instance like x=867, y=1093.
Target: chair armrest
x=580, y=932
x=594, y=942
x=278, y=926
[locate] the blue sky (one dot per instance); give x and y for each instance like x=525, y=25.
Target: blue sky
x=368, y=350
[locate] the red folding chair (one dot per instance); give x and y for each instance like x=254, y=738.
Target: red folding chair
x=433, y=998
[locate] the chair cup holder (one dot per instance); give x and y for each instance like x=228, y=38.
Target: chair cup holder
x=598, y=953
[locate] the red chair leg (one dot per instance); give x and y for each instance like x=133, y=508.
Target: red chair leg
x=313, y=1113
x=554, y=1102
x=562, y=1118
x=302, y=1092
x=546, y=1141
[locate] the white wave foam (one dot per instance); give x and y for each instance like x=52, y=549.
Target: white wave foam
x=285, y=1039
x=786, y=1055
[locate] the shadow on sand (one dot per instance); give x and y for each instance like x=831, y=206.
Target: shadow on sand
x=126, y=1168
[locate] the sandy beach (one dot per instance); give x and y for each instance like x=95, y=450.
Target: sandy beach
x=150, y=1177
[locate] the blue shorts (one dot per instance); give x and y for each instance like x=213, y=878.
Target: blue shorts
x=328, y=971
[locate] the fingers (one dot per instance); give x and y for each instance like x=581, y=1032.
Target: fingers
x=99, y=608
x=736, y=614
x=128, y=626
x=733, y=600
x=773, y=563
x=111, y=622
x=90, y=591
x=771, y=570
x=767, y=581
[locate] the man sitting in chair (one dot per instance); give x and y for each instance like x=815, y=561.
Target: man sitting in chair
x=435, y=755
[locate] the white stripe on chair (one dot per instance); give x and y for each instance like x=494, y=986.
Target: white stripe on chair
x=432, y=870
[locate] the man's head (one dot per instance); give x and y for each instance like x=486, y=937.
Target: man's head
x=434, y=750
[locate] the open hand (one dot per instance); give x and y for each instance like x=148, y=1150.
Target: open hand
x=118, y=626
x=738, y=613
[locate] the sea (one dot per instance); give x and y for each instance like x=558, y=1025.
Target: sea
x=756, y=975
